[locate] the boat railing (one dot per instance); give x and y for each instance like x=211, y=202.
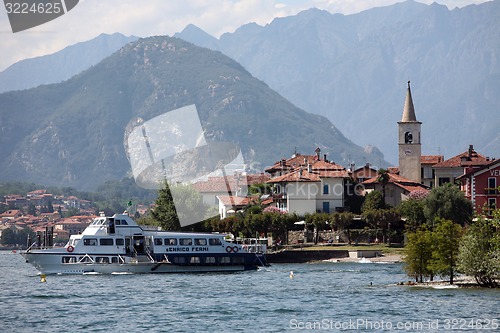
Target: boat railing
x=122, y=260
x=148, y=253
x=255, y=248
x=253, y=245
x=30, y=247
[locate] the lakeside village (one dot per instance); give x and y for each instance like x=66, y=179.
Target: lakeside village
x=323, y=203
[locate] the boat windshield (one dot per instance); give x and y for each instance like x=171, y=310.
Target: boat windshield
x=98, y=222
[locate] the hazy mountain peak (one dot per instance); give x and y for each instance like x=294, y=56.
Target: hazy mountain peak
x=71, y=133
x=196, y=35
x=61, y=65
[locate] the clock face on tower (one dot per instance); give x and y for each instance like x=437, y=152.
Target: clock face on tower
x=407, y=152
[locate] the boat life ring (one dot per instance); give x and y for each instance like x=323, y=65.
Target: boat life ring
x=70, y=248
x=235, y=249
x=229, y=249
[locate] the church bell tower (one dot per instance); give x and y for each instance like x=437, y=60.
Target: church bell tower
x=410, y=148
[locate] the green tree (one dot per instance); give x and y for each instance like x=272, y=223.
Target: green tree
x=413, y=211
x=447, y=236
x=164, y=214
x=418, y=254
x=31, y=209
x=343, y=221
x=9, y=237
x=260, y=189
x=373, y=201
x=495, y=242
x=320, y=222
x=72, y=211
x=383, y=178
x=188, y=206
x=382, y=219
x=477, y=255
x=13, y=237
x=50, y=207
x=448, y=202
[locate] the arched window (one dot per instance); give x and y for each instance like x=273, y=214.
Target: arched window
x=408, y=137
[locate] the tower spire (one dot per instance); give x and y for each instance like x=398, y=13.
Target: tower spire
x=409, y=110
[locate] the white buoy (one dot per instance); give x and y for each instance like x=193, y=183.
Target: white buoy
x=43, y=278
x=291, y=275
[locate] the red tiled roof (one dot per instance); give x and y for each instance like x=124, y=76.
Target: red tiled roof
x=324, y=165
x=365, y=167
x=229, y=183
x=399, y=181
x=234, y=201
x=431, y=159
x=296, y=176
x=411, y=188
x=298, y=160
x=395, y=179
x=10, y=213
x=463, y=159
x=216, y=184
x=292, y=163
x=261, y=178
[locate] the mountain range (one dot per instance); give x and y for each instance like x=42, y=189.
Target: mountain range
x=353, y=70
x=72, y=133
x=62, y=65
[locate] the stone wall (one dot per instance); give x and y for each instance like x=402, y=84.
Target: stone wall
x=297, y=237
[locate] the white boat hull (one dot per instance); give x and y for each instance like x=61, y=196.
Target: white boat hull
x=118, y=245
x=47, y=263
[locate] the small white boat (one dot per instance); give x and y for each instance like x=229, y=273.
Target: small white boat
x=117, y=244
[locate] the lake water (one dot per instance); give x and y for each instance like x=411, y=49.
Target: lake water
x=324, y=296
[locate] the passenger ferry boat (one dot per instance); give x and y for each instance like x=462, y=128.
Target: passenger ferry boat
x=118, y=244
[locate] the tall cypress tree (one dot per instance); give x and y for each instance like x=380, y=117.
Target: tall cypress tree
x=164, y=213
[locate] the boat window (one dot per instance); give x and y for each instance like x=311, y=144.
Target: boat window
x=210, y=260
x=225, y=260
x=238, y=260
x=179, y=260
x=214, y=241
x=195, y=260
x=185, y=241
x=102, y=260
x=170, y=241
x=158, y=241
x=90, y=241
x=121, y=222
x=67, y=260
x=114, y=260
x=106, y=241
x=119, y=241
x=200, y=241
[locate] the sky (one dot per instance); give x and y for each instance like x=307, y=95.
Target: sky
x=145, y=18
